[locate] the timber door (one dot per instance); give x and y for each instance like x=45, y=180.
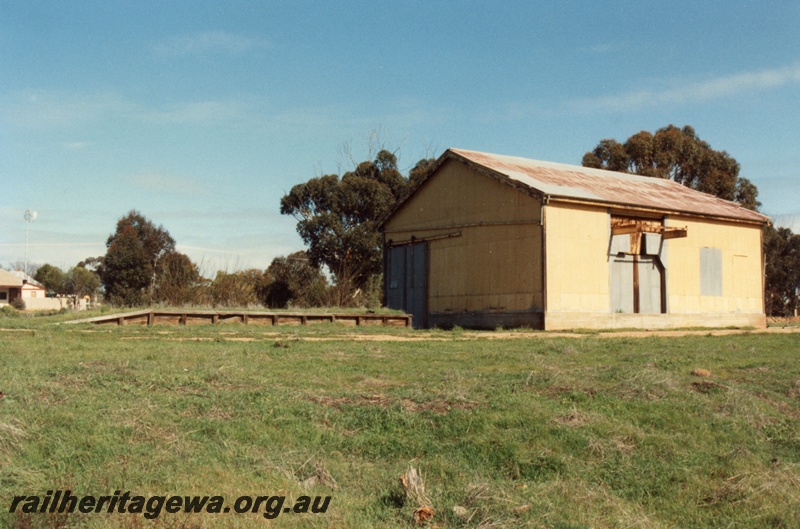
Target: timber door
x=407, y=281
x=620, y=264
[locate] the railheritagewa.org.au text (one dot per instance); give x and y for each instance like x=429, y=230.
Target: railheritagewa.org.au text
x=64, y=501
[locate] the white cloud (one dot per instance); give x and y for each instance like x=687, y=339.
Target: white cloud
x=231, y=218
x=48, y=109
x=77, y=145
x=209, y=42
x=681, y=92
x=173, y=185
x=199, y=112
x=604, y=48
x=38, y=109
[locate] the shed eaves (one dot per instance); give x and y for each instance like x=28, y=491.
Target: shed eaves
x=596, y=185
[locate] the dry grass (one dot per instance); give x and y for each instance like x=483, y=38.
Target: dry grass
x=543, y=432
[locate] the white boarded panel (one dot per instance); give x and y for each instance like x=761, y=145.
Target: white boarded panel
x=649, y=286
x=620, y=274
x=710, y=272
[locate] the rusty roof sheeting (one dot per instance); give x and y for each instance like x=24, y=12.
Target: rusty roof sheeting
x=596, y=185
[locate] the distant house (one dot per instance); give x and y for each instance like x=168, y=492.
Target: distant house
x=10, y=287
x=489, y=240
x=18, y=284
x=31, y=289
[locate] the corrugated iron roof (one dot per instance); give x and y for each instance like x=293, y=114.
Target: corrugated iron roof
x=596, y=185
x=26, y=278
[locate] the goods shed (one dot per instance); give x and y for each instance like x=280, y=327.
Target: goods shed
x=488, y=240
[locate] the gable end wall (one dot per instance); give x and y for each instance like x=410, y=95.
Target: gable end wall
x=484, y=247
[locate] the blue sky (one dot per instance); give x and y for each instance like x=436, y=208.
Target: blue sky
x=201, y=115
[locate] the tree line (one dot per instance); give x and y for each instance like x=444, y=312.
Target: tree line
x=337, y=218
x=141, y=267
x=133, y=274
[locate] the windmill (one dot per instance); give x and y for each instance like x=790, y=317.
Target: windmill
x=29, y=216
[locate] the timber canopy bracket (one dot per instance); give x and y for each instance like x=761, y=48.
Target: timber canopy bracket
x=637, y=227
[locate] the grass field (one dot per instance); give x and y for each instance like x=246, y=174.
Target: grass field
x=591, y=432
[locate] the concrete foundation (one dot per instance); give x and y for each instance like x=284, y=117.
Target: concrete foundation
x=559, y=321
x=487, y=320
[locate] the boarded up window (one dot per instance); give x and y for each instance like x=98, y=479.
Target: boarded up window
x=710, y=272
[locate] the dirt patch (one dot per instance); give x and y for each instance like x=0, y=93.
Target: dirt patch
x=440, y=407
x=783, y=407
x=774, y=321
x=214, y=413
x=355, y=337
x=556, y=391
x=707, y=386
x=572, y=419
x=193, y=339
x=423, y=336
x=428, y=336
x=379, y=382
x=794, y=391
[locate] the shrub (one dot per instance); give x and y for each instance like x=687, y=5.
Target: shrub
x=8, y=311
x=18, y=303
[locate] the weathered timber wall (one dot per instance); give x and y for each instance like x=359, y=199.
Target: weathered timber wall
x=485, y=245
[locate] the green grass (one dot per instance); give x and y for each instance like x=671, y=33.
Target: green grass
x=541, y=432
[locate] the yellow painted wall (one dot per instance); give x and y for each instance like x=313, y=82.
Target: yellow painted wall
x=459, y=194
x=496, y=266
x=578, y=271
x=488, y=268
x=577, y=258
x=741, y=267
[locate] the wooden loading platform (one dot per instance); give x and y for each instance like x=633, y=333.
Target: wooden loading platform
x=178, y=317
